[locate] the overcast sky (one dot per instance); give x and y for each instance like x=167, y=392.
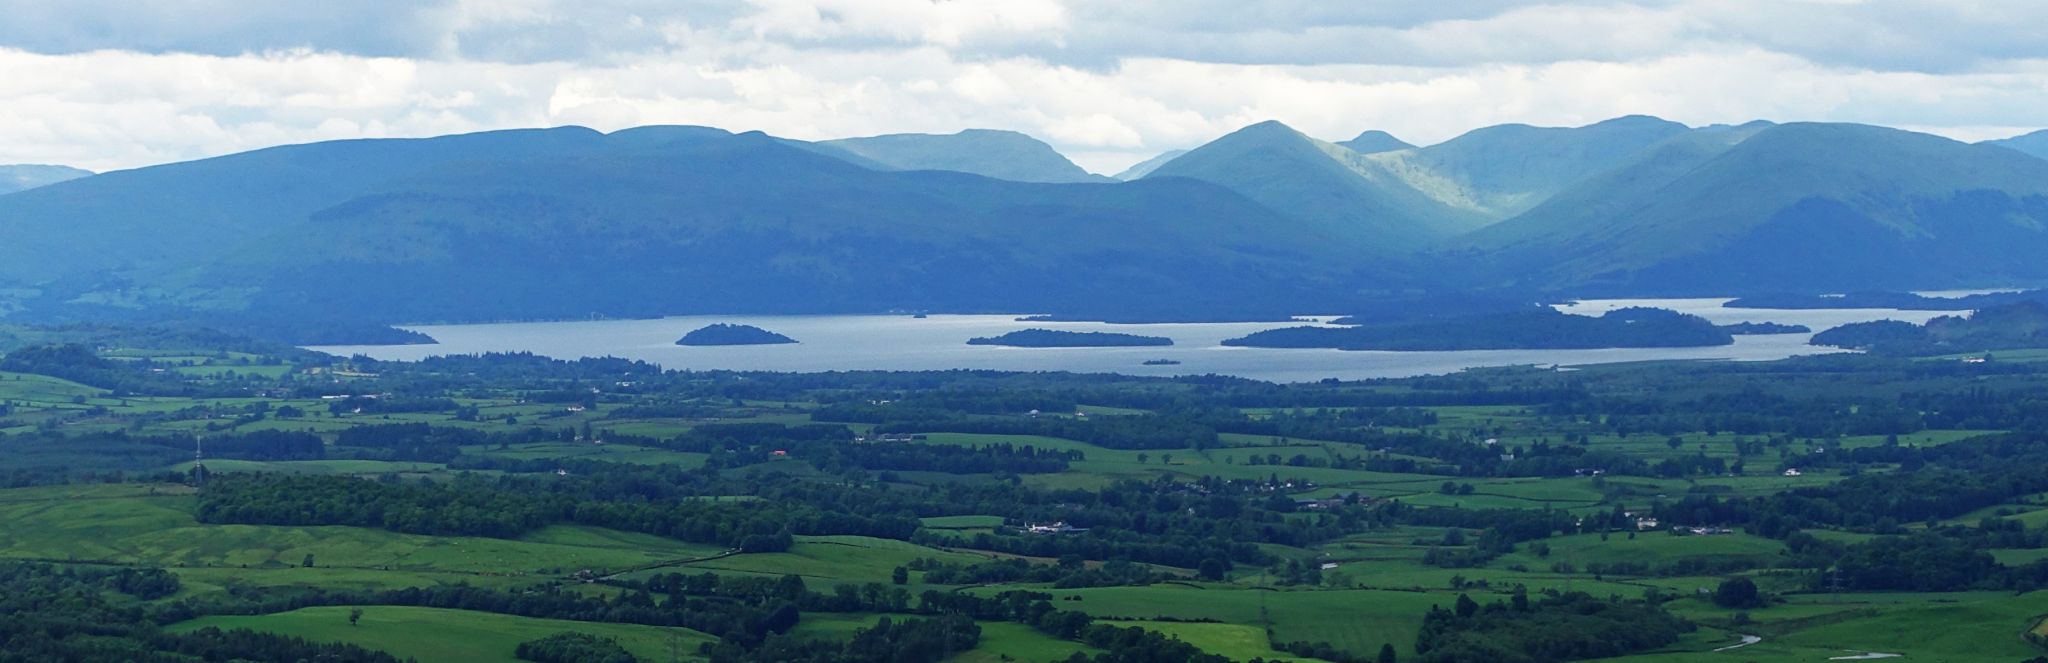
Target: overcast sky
x=107, y=84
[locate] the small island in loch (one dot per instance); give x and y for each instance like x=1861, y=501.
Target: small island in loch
x=1534, y=328
x=730, y=334
x=1765, y=328
x=1049, y=338
x=1162, y=362
x=2010, y=327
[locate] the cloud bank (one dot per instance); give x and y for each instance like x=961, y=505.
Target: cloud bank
x=104, y=84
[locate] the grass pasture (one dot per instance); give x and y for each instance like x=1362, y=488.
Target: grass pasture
x=127, y=524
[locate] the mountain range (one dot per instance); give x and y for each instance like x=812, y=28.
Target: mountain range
x=571, y=222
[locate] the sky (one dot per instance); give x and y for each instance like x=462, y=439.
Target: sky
x=110, y=84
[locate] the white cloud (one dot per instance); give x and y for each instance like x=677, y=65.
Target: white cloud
x=102, y=85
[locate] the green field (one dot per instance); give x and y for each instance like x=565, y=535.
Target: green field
x=144, y=524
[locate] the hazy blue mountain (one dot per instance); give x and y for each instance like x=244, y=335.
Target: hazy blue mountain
x=1802, y=207
x=2035, y=143
x=1504, y=170
x=1375, y=142
x=1004, y=155
x=1146, y=167
x=1607, y=196
x=651, y=221
x=193, y=211
x=28, y=176
x=1326, y=186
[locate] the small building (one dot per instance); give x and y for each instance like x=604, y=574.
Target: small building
x=1319, y=505
x=1646, y=523
x=1060, y=527
x=1792, y=472
x=1327, y=566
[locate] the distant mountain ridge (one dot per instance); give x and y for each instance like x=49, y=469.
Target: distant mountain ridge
x=1322, y=184
x=1262, y=223
x=538, y=224
x=2035, y=143
x=1005, y=155
x=28, y=176
x=1375, y=142
x=1806, y=206
x=1143, y=168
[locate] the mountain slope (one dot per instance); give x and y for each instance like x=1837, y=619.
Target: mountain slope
x=2035, y=143
x=24, y=177
x=1143, y=168
x=1375, y=142
x=1504, y=170
x=1809, y=207
x=1004, y=155
x=1327, y=187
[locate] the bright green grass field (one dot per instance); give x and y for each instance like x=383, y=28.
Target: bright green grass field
x=1237, y=641
x=433, y=634
x=1006, y=641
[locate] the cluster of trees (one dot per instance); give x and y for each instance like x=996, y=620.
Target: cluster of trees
x=53, y=613
x=1136, y=432
x=1567, y=627
x=511, y=506
x=890, y=640
x=571, y=647
x=1069, y=573
x=79, y=363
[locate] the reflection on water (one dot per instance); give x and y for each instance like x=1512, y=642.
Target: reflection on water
x=886, y=342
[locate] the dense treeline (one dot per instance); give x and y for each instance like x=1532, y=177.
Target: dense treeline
x=570, y=647
x=51, y=613
x=1069, y=573
x=1561, y=628
x=1114, y=432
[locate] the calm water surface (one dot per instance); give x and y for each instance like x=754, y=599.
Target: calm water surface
x=895, y=342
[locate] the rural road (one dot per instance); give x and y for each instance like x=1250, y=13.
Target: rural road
x=1747, y=640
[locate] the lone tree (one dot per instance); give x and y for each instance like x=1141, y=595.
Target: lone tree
x=1387, y=653
x=1737, y=592
x=354, y=615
